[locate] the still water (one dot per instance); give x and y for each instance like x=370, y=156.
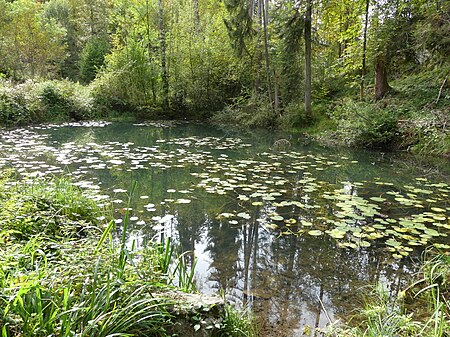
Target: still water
x=292, y=230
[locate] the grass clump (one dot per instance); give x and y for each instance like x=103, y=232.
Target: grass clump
x=420, y=310
x=238, y=323
x=55, y=208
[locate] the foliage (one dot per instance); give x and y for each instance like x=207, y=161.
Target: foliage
x=126, y=83
x=92, y=58
x=34, y=102
x=248, y=112
x=362, y=124
x=31, y=45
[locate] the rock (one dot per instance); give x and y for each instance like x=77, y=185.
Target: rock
x=195, y=314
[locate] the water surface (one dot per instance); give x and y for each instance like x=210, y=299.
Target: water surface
x=293, y=230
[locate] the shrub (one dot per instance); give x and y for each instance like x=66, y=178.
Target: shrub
x=18, y=103
x=65, y=100
x=127, y=82
x=248, y=111
x=365, y=124
x=47, y=101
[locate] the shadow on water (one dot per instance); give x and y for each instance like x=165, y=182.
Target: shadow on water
x=296, y=232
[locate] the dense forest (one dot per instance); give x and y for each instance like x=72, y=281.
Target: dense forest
x=370, y=73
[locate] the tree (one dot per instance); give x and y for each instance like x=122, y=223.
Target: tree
x=162, y=46
x=33, y=45
x=308, y=112
x=92, y=58
x=363, y=63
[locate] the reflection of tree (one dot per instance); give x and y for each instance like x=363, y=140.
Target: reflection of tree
x=190, y=219
x=291, y=274
x=223, y=246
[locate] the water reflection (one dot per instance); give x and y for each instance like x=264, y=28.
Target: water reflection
x=237, y=205
x=288, y=282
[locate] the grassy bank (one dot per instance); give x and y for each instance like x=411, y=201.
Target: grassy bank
x=420, y=310
x=414, y=116
x=63, y=274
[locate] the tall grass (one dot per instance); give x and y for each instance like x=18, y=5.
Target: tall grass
x=238, y=323
x=422, y=309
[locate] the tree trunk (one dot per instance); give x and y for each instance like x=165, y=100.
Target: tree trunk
x=162, y=41
x=196, y=17
x=381, y=83
x=363, y=68
x=308, y=113
x=264, y=7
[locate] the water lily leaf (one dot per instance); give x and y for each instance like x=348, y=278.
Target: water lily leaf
x=364, y=244
x=337, y=233
x=277, y=218
x=226, y=215
x=183, y=201
x=393, y=243
x=442, y=246
x=431, y=232
x=306, y=223
x=271, y=226
x=244, y=215
x=315, y=232
x=438, y=209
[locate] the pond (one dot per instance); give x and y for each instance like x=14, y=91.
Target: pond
x=292, y=230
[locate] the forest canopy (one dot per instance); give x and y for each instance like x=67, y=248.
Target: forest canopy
x=259, y=62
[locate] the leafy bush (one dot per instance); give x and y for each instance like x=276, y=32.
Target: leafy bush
x=127, y=82
x=429, y=133
x=56, y=208
x=65, y=100
x=18, y=103
x=248, y=112
x=365, y=124
x=47, y=101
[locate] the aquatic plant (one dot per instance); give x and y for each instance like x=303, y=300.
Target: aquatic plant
x=238, y=323
x=420, y=310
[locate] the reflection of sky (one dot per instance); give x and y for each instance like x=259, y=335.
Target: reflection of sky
x=284, y=280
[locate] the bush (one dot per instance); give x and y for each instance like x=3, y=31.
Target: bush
x=253, y=111
x=365, y=124
x=18, y=103
x=65, y=100
x=47, y=101
x=127, y=82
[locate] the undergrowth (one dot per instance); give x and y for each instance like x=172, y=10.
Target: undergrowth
x=414, y=116
x=44, y=101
